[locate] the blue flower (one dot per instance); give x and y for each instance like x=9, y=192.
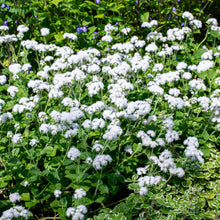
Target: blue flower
x=7, y=6
x=116, y=23
x=169, y=16
x=183, y=24
x=84, y=29
x=5, y=22
x=97, y=1
x=174, y=9
x=3, y=6
x=78, y=30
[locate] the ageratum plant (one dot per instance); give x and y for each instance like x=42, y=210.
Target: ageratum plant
x=122, y=120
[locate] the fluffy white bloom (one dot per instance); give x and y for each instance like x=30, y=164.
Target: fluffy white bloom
x=143, y=191
x=12, y=90
x=181, y=66
x=73, y=153
x=107, y=38
x=101, y=160
x=26, y=183
x=187, y=75
x=44, y=31
x=79, y=193
x=196, y=23
x=112, y=132
x=171, y=135
x=126, y=30
x=17, y=138
x=187, y=15
x=15, y=68
x=70, y=36
x=212, y=21
x=3, y=79
x=4, y=28
x=174, y=91
x=197, y=84
x=128, y=149
x=97, y=147
x=154, y=88
x=157, y=67
x=205, y=65
x=14, y=197
x=15, y=212
x=22, y=28
x=151, y=47
x=57, y=193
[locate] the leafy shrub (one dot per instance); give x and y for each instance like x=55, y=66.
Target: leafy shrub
x=126, y=128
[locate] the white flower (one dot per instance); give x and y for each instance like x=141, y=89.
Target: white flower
x=70, y=36
x=26, y=183
x=73, y=153
x=44, y=31
x=143, y=191
x=212, y=21
x=22, y=28
x=97, y=147
x=187, y=15
x=17, y=138
x=79, y=193
x=107, y=38
x=196, y=23
x=126, y=30
x=57, y=193
x=14, y=197
x=101, y=160
x=3, y=79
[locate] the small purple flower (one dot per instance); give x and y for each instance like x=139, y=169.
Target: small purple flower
x=84, y=29
x=7, y=6
x=176, y=17
x=3, y=6
x=182, y=24
x=169, y=17
x=137, y=2
x=174, y=9
x=178, y=0
x=108, y=48
x=5, y=22
x=116, y=23
x=16, y=22
x=150, y=18
x=97, y=1
x=35, y=16
x=78, y=30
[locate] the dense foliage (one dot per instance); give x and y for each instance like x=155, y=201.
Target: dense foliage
x=107, y=118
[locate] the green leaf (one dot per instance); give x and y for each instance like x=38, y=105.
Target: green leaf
x=56, y=2
x=59, y=37
x=104, y=189
x=207, y=196
x=100, y=199
x=145, y=17
x=100, y=16
x=25, y=196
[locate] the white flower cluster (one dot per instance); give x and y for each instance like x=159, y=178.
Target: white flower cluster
x=112, y=132
x=191, y=150
x=70, y=36
x=73, y=153
x=57, y=193
x=148, y=181
x=15, y=212
x=79, y=193
x=100, y=161
x=78, y=213
x=94, y=86
x=26, y=104
x=166, y=163
x=146, y=139
x=14, y=197
x=149, y=24
x=94, y=124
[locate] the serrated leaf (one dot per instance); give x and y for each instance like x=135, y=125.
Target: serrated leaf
x=104, y=189
x=145, y=17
